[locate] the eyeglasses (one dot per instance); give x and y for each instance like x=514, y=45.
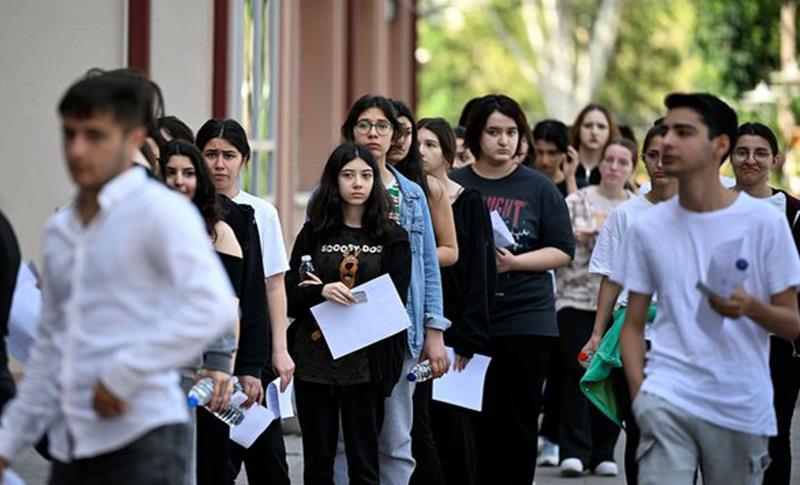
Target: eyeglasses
x=761, y=155
x=652, y=156
x=382, y=127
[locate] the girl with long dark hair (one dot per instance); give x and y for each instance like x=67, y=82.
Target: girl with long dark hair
x=351, y=240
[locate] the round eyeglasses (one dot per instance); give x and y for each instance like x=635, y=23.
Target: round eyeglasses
x=382, y=127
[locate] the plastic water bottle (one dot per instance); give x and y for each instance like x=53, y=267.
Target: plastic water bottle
x=420, y=372
x=585, y=358
x=200, y=395
x=306, y=267
x=730, y=281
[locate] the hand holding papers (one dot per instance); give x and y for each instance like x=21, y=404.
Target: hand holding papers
x=257, y=418
x=502, y=236
x=463, y=388
x=726, y=271
x=348, y=328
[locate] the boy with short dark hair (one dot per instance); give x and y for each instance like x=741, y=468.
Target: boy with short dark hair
x=705, y=397
x=132, y=291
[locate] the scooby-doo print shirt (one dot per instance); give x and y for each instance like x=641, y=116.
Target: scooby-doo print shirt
x=353, y=258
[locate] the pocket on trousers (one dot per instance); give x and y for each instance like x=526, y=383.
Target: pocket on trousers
x=758, y=464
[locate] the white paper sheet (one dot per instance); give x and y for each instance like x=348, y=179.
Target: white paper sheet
x=11, y=478
x=723, y=276
x=350, y=328
x=257, y=418
x=502, y=236
x=280, y=402
x=24, y=317
x=463, y=388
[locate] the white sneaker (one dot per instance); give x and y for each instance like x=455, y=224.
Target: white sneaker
x=548, y=456
x=606, y=469
x=571, y=467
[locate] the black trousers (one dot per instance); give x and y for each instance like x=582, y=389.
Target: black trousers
x=157, y=458
x=785, y=371
x=632, y=435
x=319, y=407
x=219, y=460
x=584, y=431
x=553, y=388
x=454, y=431
x=508, y=428
x=423, y=445
x=265, y=460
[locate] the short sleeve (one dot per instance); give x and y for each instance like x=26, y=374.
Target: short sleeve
x=556, y=224
x=608, y=244
x=631, y=267
x=272, y=246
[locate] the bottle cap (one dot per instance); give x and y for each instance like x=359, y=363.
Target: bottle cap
x=305, y=257
x=741, y=264
x=583, y=356
x=192, y=401
x=411, y=377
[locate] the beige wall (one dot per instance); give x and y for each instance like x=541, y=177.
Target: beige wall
x=45, y=46
x=181, y=56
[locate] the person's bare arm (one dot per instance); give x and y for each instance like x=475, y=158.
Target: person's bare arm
x=444, y=227
x=779, y=316
x=606, y=297
x=282, y=363
x=543, y=259
x=631, y=340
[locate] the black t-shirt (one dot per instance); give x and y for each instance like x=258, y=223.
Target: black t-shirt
x=353, y=258
x=535, y=212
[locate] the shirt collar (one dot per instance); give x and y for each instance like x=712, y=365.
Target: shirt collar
x=120, y=187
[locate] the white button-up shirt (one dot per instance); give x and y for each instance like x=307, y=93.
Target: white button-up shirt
x=128, y=299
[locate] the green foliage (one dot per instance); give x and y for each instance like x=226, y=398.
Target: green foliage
x=723, y=46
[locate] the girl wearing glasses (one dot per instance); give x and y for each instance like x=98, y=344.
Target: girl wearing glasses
x=372, y=122
x=611, y=299
x=754, y=156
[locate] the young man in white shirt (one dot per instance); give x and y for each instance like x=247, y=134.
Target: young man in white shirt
x=132, y=291
x=705, y=397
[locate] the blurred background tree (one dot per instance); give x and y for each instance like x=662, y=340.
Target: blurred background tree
x=554, y=56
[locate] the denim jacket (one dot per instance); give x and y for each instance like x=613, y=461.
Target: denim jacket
x=424, y=303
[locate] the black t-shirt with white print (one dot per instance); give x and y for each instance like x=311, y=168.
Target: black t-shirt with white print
x=353, y=258
x=537, y=216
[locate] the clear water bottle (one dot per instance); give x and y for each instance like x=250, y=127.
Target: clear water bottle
x=306, y=267
x=200, y=395
x=585, y=358
x=733, y=279
x=420, y=372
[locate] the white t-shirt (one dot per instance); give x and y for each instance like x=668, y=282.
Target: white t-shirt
x=712, y=367
x=273, y=249
x=607, y=248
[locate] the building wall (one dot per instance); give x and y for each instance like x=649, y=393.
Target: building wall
x=181, y=45
x=45, y=46
x=331, y=53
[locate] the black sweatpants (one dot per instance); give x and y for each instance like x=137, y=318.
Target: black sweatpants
x=423, y=445
x=553, y=388
x=584, y=431
x=454, y=431
x=785, y=371
x=219, y=460
x=318, y=409
x=508, y=429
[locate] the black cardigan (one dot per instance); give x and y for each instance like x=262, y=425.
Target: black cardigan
x=468, y=287
x=386, y=356
x=254, y=356
x=9, y=266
